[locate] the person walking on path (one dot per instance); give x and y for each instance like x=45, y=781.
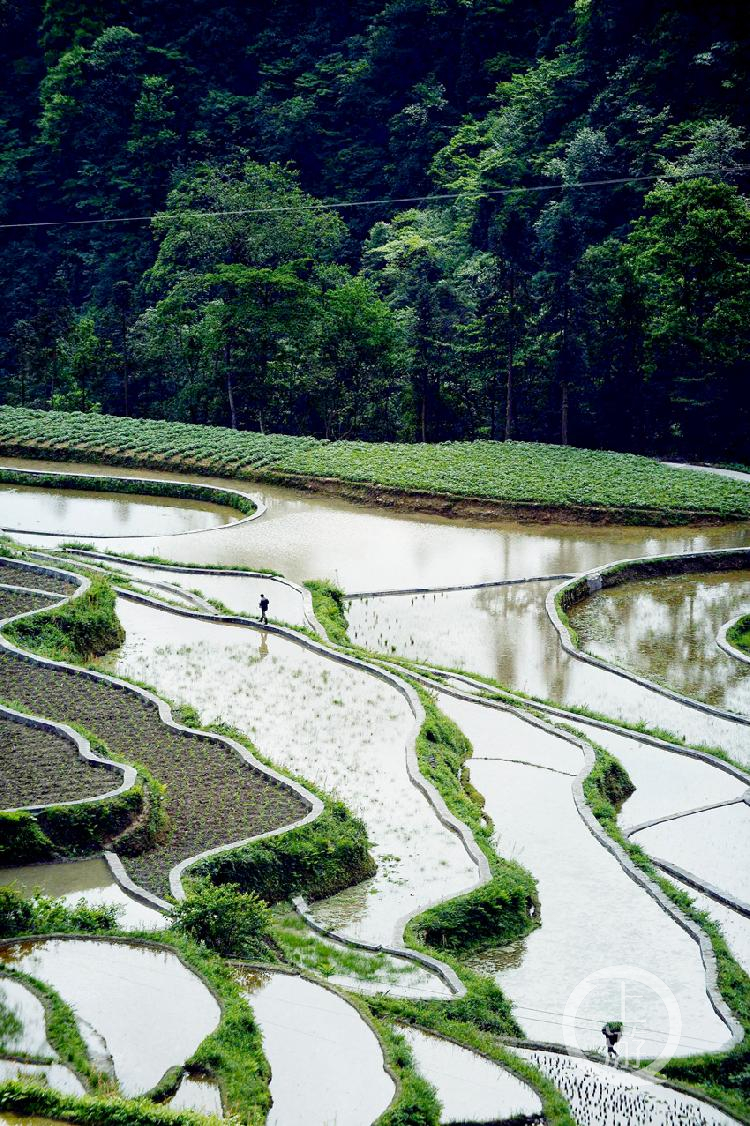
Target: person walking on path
x=264, y=604
x=612, y=1032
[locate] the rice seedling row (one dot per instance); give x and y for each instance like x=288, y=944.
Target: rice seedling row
x=38, y=767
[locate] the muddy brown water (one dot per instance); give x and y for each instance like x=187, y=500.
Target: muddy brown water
x=665, y=630
x=73, y=512
x=364, y=548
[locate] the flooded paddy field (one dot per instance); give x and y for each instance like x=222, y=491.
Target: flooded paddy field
x=713, y=845
x=505, y=633
x=666, y=782
x=593, y=915
x=603, y=1096
x=139, y=1009
x=326, y=1063
x=69, y=512
x=28, y=1034
x=345, y=731
x=470, y=1087
x=665, y=629
x=240, y=594
x=365, y=548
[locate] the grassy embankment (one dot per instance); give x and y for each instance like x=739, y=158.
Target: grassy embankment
x=524, y=477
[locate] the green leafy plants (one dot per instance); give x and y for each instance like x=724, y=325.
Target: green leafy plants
x=329, y=607
x=228, y=920
x=139, y=487
x=83, y=628
x=316, y=860
x=522, y=475
x=38, y=914
x=739, y=635
x=501, y=910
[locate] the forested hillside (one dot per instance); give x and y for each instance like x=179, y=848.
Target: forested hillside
x=520, y=300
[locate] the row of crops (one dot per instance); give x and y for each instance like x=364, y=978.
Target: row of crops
x=512, y=472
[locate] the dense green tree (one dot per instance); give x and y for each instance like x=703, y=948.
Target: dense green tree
x=523, y=306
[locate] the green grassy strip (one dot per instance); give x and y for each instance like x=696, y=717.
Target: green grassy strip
x=416, y=1103
x=722, y=1076
x=626, y=487
x=76, y=545
x=28, y=1100
x=232, y=1055
x=328, y=604
x=500, y=911
x=432, y=1017
x=316, y=860
x=178, y=490
x=739, y=635
x=63, y=1033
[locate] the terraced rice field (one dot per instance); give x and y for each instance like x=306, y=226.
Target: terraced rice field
x=351, y=735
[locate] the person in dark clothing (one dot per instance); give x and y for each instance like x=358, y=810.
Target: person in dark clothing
x=264, y=604
x=611, y=1034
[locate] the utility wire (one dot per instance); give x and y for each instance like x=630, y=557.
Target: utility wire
x=323, y=205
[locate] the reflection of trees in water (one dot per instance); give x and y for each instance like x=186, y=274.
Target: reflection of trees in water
x=665, y=629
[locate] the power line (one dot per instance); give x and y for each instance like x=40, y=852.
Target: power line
x=340, y=205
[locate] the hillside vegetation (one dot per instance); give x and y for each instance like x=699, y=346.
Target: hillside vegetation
x=626, y=486
x=581, y=274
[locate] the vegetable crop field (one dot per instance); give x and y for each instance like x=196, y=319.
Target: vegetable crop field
x=39, y=767
x=624, y=487
x=212, y=797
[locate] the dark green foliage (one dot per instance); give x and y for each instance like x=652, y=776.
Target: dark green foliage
x=77, y=830
x=29, y=1100
x=739, y=635
x=519, y=476
x=22, y=841
x=228, y=920
x=608, y=316
x=86, y=627
x=318, y=860
x=202, y=794
x=491, y=914
x=140, y=487
x=233, y=1054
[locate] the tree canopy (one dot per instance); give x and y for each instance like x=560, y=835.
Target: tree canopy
x=476, y=280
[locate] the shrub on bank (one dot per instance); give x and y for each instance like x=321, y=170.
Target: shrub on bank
x=317, y=860
x=38, y=914
x=225, y=919
x=83, y=628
